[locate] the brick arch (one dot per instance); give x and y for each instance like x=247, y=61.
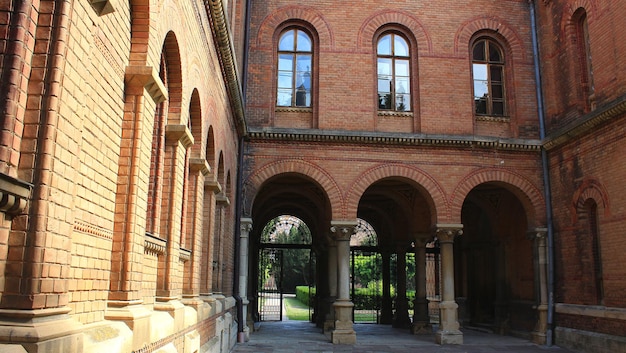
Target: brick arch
x=174, y=84
x=196, y=123
x=253, y=183
x=568, y=23
x=306, y=14
x=589, y=189
x=528, y=194
x=468, y=29
x=436, y=195
x=140, y=32
x=376, y=21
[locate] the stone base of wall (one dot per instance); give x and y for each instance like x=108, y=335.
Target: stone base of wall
x=589, y=342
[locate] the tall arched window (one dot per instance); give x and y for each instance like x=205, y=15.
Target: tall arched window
x=584, y=59
x=488, y=75
x=591, y=209
x=394, y=73
x=295, y=65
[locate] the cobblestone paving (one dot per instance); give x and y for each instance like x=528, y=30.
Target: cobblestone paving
x=302, y=337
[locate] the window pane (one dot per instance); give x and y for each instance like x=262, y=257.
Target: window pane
x=400, y=46
x=479, y=51
x=496, y=91
x=384, y=66
x=494, y=53
x=304, y=42
x=283, y=98
x=384, y=100
x=384, y=45
x=384, y=84
x=303, y=63
x=285, y=62
x=303, y=97
x=287, y=41
x=481, y=89
x=498, y=108
x=481, y=106
x=285, y=80
x=402, y=68
x=403, y=102
x=402, y=85
x=480, y=71
x=496, y=73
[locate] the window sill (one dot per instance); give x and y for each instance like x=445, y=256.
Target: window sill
x=495, y=119
x=294, y=109
x=392, y=113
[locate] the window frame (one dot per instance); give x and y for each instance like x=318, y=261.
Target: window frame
x=490, y=83
x=393, y=58
x=293, y=72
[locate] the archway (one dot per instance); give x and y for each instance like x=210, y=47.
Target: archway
x=494, y=270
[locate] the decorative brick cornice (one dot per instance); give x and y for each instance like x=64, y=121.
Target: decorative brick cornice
x=14, y=194
x=153, y=245
x=586, y=123
x=401, y=139
x=225, y=52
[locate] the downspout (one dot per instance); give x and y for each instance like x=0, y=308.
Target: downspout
x=238, y=202
x=546, y=177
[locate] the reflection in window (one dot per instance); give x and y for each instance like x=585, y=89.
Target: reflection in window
x=394, y=84
x=488, y=74
x=295, y=62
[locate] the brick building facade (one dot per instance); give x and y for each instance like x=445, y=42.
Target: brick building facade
x=146, y=144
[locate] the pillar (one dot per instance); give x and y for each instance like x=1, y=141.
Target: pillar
x=401, y=316
x=329, y=322
x=421, y=317
x=246, y=227
x=538, y=236
x=386, y=311
x=343, y=332
x=448, y=332
x=211, y=189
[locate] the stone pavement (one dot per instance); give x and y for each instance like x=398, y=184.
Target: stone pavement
x=304, y=337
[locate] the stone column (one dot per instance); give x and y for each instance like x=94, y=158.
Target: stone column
x=329, y=323
x=343, y=332
x=449, y=332
x=541, y=275
x=421, y=318
x=246, y=227
x=386, y=311
x=401, y=316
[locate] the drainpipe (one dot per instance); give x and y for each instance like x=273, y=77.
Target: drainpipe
x=546, y=177
x=238, y=203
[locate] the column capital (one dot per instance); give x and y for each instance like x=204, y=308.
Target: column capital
x=447, y=232
x=423, y=237
x=245, y=225
x=342, y=230
x=537, y=233
x=146, y=77
x=200, y=164
x=213, y=185
x=179, y=133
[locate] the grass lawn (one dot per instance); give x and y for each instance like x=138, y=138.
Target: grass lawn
x=296, y=310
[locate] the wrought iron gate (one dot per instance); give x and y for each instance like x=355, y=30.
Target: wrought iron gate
x=366, y=284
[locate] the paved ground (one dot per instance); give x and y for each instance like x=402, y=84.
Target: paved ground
x=304, y=337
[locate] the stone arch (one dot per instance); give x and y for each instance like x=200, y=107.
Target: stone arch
x=512, y=40
x=529, y=195
x=372, y=24
x=435, y=192
x=589, y=189
x=254, y=182
x=306, y=14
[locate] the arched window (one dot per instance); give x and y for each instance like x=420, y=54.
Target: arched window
x=394, y=73
x=295, y=65
x=488, y=75
x=591, y=208
x=584, y=59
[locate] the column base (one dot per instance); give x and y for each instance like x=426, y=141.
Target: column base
x=449, y=337
x=343, y=332
x=40, y=331
x=135, y=315
x=421, y=328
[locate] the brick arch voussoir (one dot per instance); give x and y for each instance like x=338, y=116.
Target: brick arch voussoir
x=568, y=25
x=314, y=172
x=528, y=194
x=377, y=173
x=592, y=189
x=294, y=13
x=469, y=28
x=376, y=21
x=140, y=32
